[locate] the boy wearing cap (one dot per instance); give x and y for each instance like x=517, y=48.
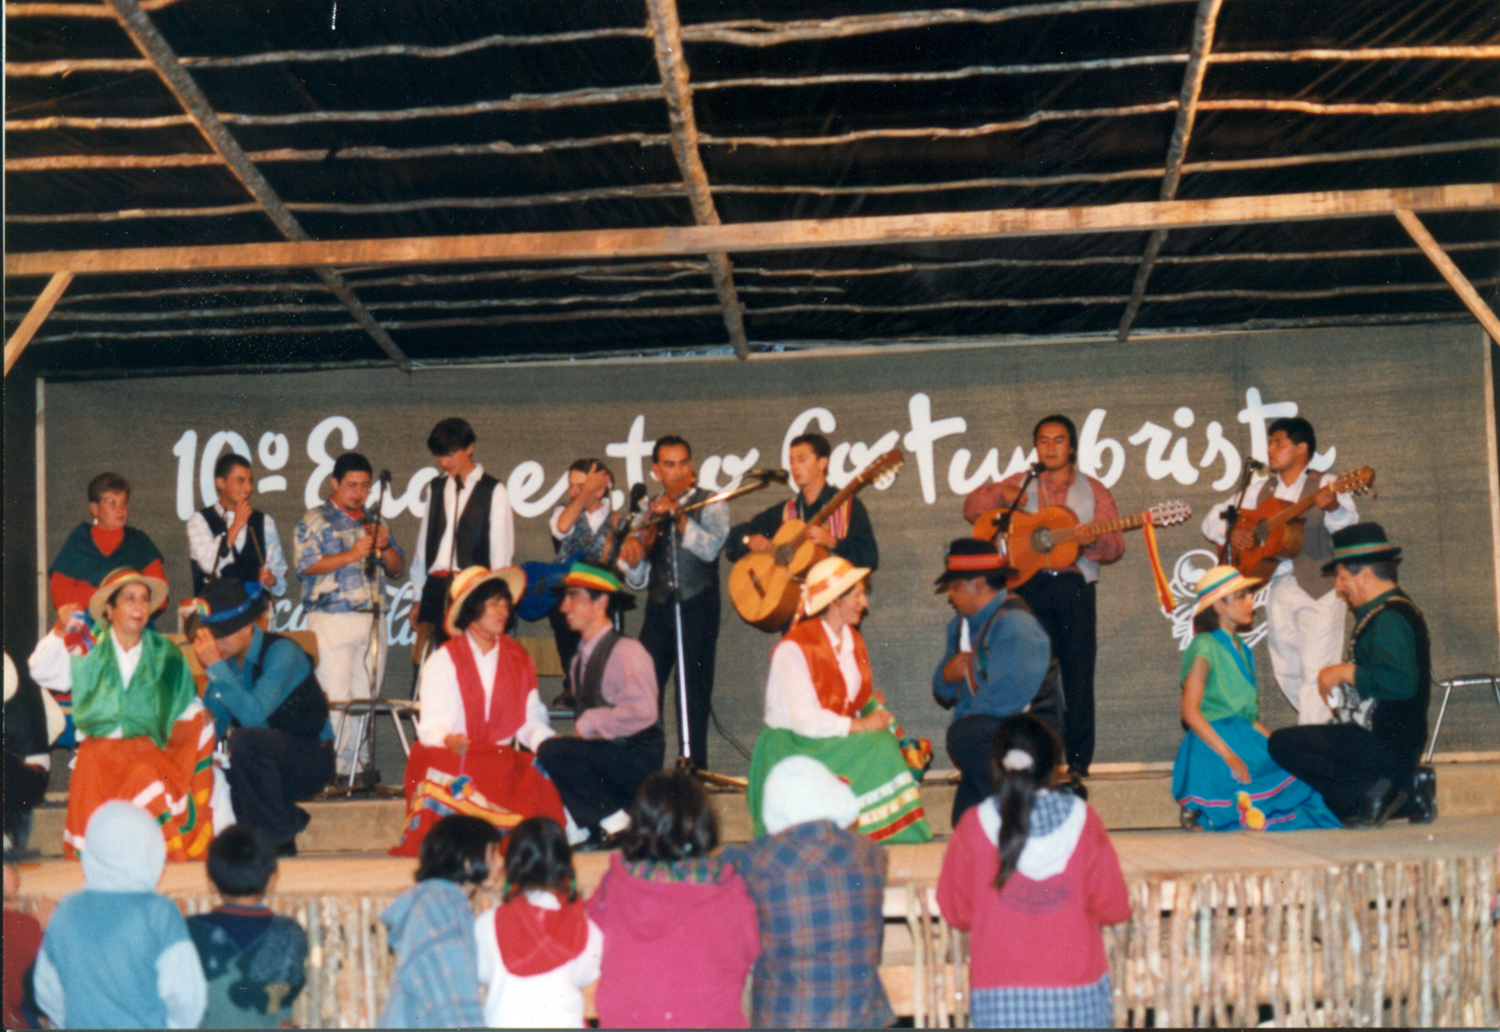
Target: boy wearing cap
x=994, y=664
x=617, y=740
x=267, y=704
x=1365, y=763
x=820, y=702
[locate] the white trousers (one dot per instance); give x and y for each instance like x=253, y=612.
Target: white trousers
x=350, y=666
x=1307, y=634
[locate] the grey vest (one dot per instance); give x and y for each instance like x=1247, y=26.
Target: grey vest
x=697, y=575
x=1081, y=500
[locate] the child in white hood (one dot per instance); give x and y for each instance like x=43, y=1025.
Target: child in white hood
x=116, y=953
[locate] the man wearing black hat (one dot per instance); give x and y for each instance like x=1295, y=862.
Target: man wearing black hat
x=267, y=705
x=995, y=664
x=1365, y=763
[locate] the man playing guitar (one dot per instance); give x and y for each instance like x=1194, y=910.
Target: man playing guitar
x=1304, y=615
x=1064, y=600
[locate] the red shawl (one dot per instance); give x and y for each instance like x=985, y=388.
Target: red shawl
x=534, y=941
x=515, y=676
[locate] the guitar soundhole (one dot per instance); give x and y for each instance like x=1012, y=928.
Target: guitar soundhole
x=784, y=555
x=1041, y=540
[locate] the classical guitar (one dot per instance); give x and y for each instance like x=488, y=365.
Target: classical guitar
x=1277, y=525
x=765, y=587
x=1048, y=538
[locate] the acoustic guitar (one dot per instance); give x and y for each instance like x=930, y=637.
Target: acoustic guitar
x=1277, y=526
x=1048, y=538
x=765, y=587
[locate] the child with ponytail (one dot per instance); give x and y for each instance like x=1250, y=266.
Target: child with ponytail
x=1031, y=875
x=539, y=948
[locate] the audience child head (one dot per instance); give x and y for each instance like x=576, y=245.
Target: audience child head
x=242, y=864
x=670, y=820
x=463, y=850
x=1023, y=759
x=800, y=790
x=125, y=851
x=537, y=857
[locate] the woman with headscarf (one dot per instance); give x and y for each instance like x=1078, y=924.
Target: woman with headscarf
x=145, y=736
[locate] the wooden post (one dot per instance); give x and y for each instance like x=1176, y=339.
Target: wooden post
x=40, y=309
x=1456, y=279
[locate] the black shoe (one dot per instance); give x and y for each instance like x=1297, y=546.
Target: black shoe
x=1188, y=818
x=1075, y=786
x=288, y=848
x=303, y=819
x=368, y=778
x=1376, y=806
x=565, y=701
x=599, y=842
x=1422, y=809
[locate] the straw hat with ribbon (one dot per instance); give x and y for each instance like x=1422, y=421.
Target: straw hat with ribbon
x=971, y=557
x=466, y=581
x=827, y=580
x=116, y=580
x=1218, y=582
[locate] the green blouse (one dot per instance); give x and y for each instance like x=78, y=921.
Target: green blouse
x=1230, y=690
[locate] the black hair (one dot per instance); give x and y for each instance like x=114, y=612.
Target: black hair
x=351, y=462
x=449, y=436
x=473, y=606
x=669, y=441
x=671, y=819
x=228, y=462
x=537, y=856
x=585, y=465
x=1205, y=621
x=241, y=861
x=107, y=483
x=817, y=442
x=1297, y=430
x=456, y=849
x=1066, y=424
x=1016, y=789
x=1384, y=569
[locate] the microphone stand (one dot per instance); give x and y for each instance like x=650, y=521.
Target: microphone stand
x=684, y=739
x=1232, y=512
x=1002, y=525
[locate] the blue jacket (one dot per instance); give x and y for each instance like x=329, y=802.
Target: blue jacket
x=1008, y=665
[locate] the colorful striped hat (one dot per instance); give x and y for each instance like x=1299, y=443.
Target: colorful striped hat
x=1363, y=543
x=595, y=578
x=1218, y=582
x=971, y=557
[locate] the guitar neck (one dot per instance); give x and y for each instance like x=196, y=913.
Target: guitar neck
x=1290, y=513
x=1140, y=519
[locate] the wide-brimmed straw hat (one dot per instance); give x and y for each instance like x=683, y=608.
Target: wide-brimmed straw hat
x=1218, y=582
x=226, y=606
x=1364, y=543
x=467, y=580
x=116, y=580
x=827, y=580
x=970, y=557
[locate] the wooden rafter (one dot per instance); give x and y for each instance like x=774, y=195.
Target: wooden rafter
x=42, y=307
x=666, y=38
x=1450, y=272
x=677, y=241
x=149, y=40
x=1187, y=109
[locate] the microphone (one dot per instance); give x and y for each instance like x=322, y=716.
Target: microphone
x=385, y=476
x=374, y=557
x=769, y=475
x=1038, y=468
x=1256, y=465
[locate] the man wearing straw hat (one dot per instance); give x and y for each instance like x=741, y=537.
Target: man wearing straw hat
x=617, y=740
x=1365, y=763
x=820, y=702
x=995, y=663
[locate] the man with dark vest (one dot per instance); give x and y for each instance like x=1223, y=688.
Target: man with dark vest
x=468, y=523
x=1303, y=613
x=682, y=564
x=1364, y=763
x=997, y=662
x=267, y=705
x=848, y=532
x=231, y=538
x=617, y=740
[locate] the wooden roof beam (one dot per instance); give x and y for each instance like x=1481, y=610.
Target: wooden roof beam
x=1451, y=272
x=1187, y=110
x=676, y=241
x=40, y=309
x=153, y=45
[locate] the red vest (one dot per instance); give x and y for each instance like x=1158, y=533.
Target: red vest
x=811, y=636
x=514, y=677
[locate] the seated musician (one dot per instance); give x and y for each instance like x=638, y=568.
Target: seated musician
x=480, y=705
x=848, y=532
x=144, y=735
x=820, y=703
x=582, y=525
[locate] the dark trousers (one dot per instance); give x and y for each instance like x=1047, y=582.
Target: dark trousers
x=433, y=606
x=969, y=742
x=1341, y=761
x=596, y=776
x=700, y=639
x=25, y=787
x=1065, y=605
x=269, y=771
x=567, y=641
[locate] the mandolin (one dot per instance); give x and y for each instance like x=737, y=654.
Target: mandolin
x=765, y=587
x=1047, y=539
x=1277, y=526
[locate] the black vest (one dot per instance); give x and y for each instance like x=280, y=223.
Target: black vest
x=247, y=562
x=1401, y=724
x=471, y=538
x=304, y=711
x=588, y=693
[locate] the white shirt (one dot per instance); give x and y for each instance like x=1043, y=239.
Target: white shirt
x=552, y=999
x=792, y=701
x=1344, y=516
x=52, y=668
x=203, y=546
x=502, y=528
x=596, y=517
x=442, y=712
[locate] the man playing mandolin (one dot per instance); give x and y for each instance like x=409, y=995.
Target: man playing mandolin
x=1064, y=600
x=847, y=534
x=1304, y=615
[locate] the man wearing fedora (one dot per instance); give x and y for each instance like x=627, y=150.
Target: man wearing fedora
x=617, y=740
x=267, y=705
x=1365, y=763
x=995, y=663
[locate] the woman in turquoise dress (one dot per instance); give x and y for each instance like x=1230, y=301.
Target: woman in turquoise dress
x=1224, y=777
